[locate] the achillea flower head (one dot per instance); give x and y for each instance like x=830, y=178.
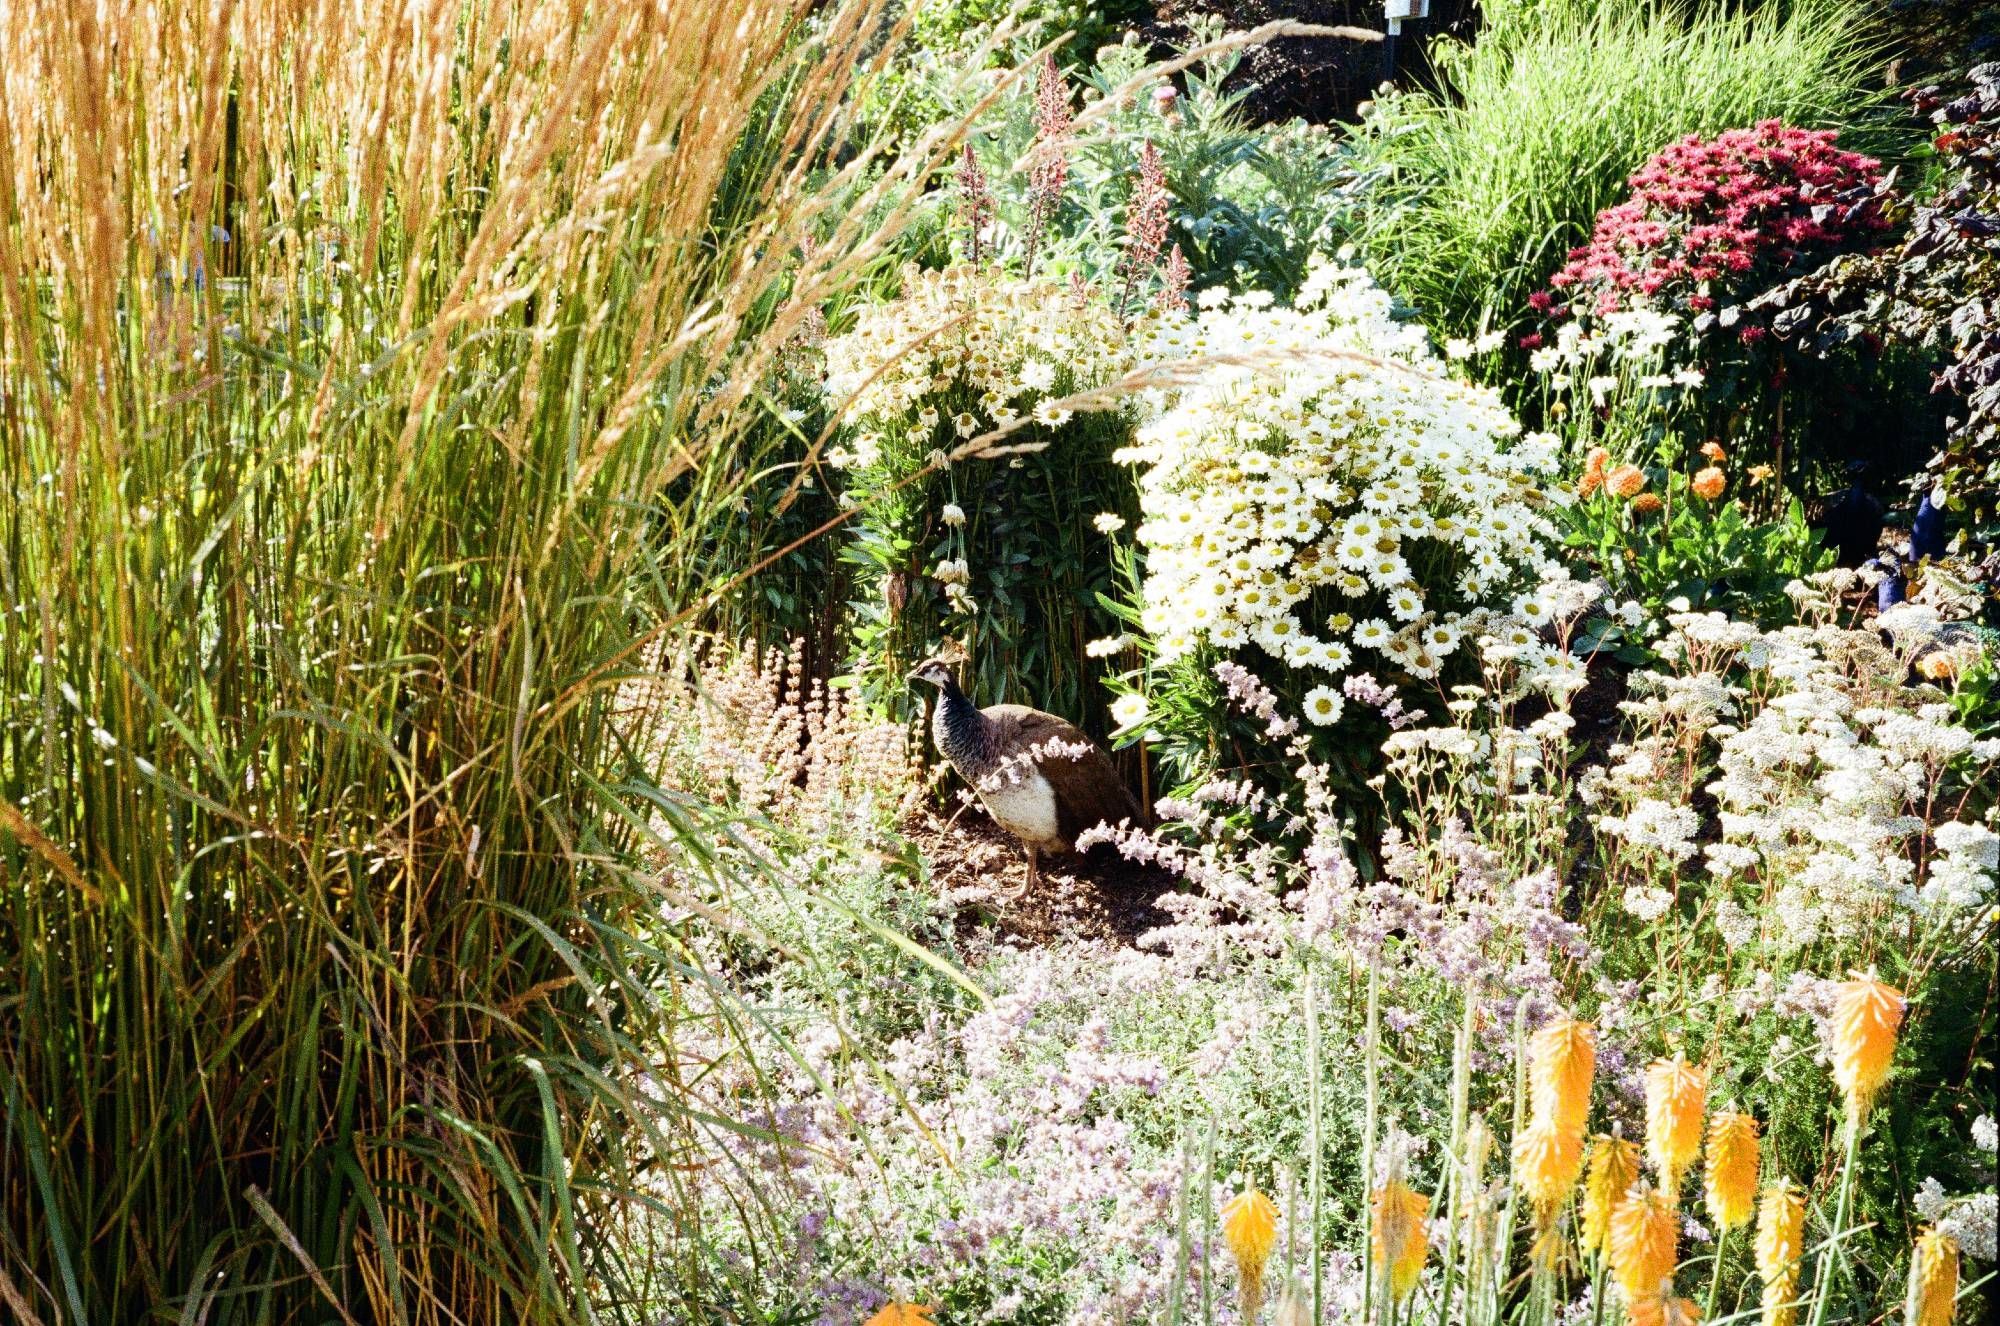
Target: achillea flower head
x=1561, y=1059
x=1731, y=1187
x=1779, y=1247
x=1933, y=1293
x=1676, y=1095
x=1400, y=1244
x=1645, y=1230
x=1866, y=1017
x=1249, y=1231
x=902, y=1314
x=1614, y=1168
x=1547, y=1160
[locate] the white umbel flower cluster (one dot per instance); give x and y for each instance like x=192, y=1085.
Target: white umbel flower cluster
x=967, y=348
x=1326, y=494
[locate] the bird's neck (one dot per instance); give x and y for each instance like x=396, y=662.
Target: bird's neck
x=961, y=730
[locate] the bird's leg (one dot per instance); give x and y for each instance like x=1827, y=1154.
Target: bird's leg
x=1034, y=875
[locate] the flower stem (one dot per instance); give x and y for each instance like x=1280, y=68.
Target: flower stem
x=1461, y=1090
x=1371, y=1068
x=1316, y=1178
x=1831, y=1256
x=1715, y=1283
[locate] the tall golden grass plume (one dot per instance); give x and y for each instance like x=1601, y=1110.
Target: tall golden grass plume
x=1676, y=1096
x=1730, y=1186
x=1779, y=1249
x=1867, y=1015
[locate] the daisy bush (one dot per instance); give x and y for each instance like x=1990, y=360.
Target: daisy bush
x=968, y=542
x=1324, y=504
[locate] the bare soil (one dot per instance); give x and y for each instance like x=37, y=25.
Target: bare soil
x=979, y=866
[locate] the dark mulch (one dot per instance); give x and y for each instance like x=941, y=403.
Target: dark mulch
x=1097, y=896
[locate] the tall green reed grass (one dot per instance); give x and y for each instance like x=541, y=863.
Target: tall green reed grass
x=1484, y=188
x=367, y=375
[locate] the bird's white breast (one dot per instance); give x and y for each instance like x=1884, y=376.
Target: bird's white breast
x=1027, y=809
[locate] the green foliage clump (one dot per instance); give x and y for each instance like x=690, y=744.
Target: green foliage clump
x=1481, y=190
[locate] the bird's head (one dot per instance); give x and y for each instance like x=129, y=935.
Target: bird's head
x=935, y=671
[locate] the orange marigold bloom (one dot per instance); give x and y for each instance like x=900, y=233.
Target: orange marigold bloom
x=1614, y=1168
x=1547, y=1160
x=1780, y=1243
x=1709, y=483
x=1866, y=1016
x=1731, y=1189
x=1400, y=1243
x=1648, y=504
x=1933, y=1293
x=1561, y=1059
x=1676, y=1095
x=1645, y=1231
x=1626, y=480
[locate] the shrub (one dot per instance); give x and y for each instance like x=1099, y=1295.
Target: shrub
x=1481, y=189
x=1331, y=507
x=1714, y=222
x=988, y=547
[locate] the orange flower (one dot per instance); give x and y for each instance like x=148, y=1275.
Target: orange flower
x=1561, y=1060
x=1708, y=484
x=1400, y=1244
x=1779, y=1246
x=1614, y=1165
x=1645, y=1231
x=1590, y=483
x=1676, y=1096
x=1732, y=1167
x=1648, y=504
x=1865, y=1018
x=1759, y=473
x=1713, y=450
x=1933, y=1281
x=1250, y=1230
x=1626, y=480
x=1595, y=462
x=902, y=1314
x=1547, y=1160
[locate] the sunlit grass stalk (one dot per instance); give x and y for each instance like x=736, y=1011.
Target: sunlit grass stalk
x=1833, y=1255
x=1372, y=1079
x=1208, y=1224
x=1461, y=1098
x=1316, y=1162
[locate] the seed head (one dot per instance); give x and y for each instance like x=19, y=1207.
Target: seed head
x=1614, y=1168
x=1676, y=1094
x=1644, y=1232
x=1933, y=1280
x=1780, y=1242
x=1250, y=1230
x=1400, y=1244
x=1561, y=1059
x=1731, y=1189
x=1866, y=1016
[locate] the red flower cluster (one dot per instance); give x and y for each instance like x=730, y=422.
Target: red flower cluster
x=1716, y=221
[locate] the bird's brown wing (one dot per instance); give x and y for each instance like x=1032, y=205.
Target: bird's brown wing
x=1087, y=787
